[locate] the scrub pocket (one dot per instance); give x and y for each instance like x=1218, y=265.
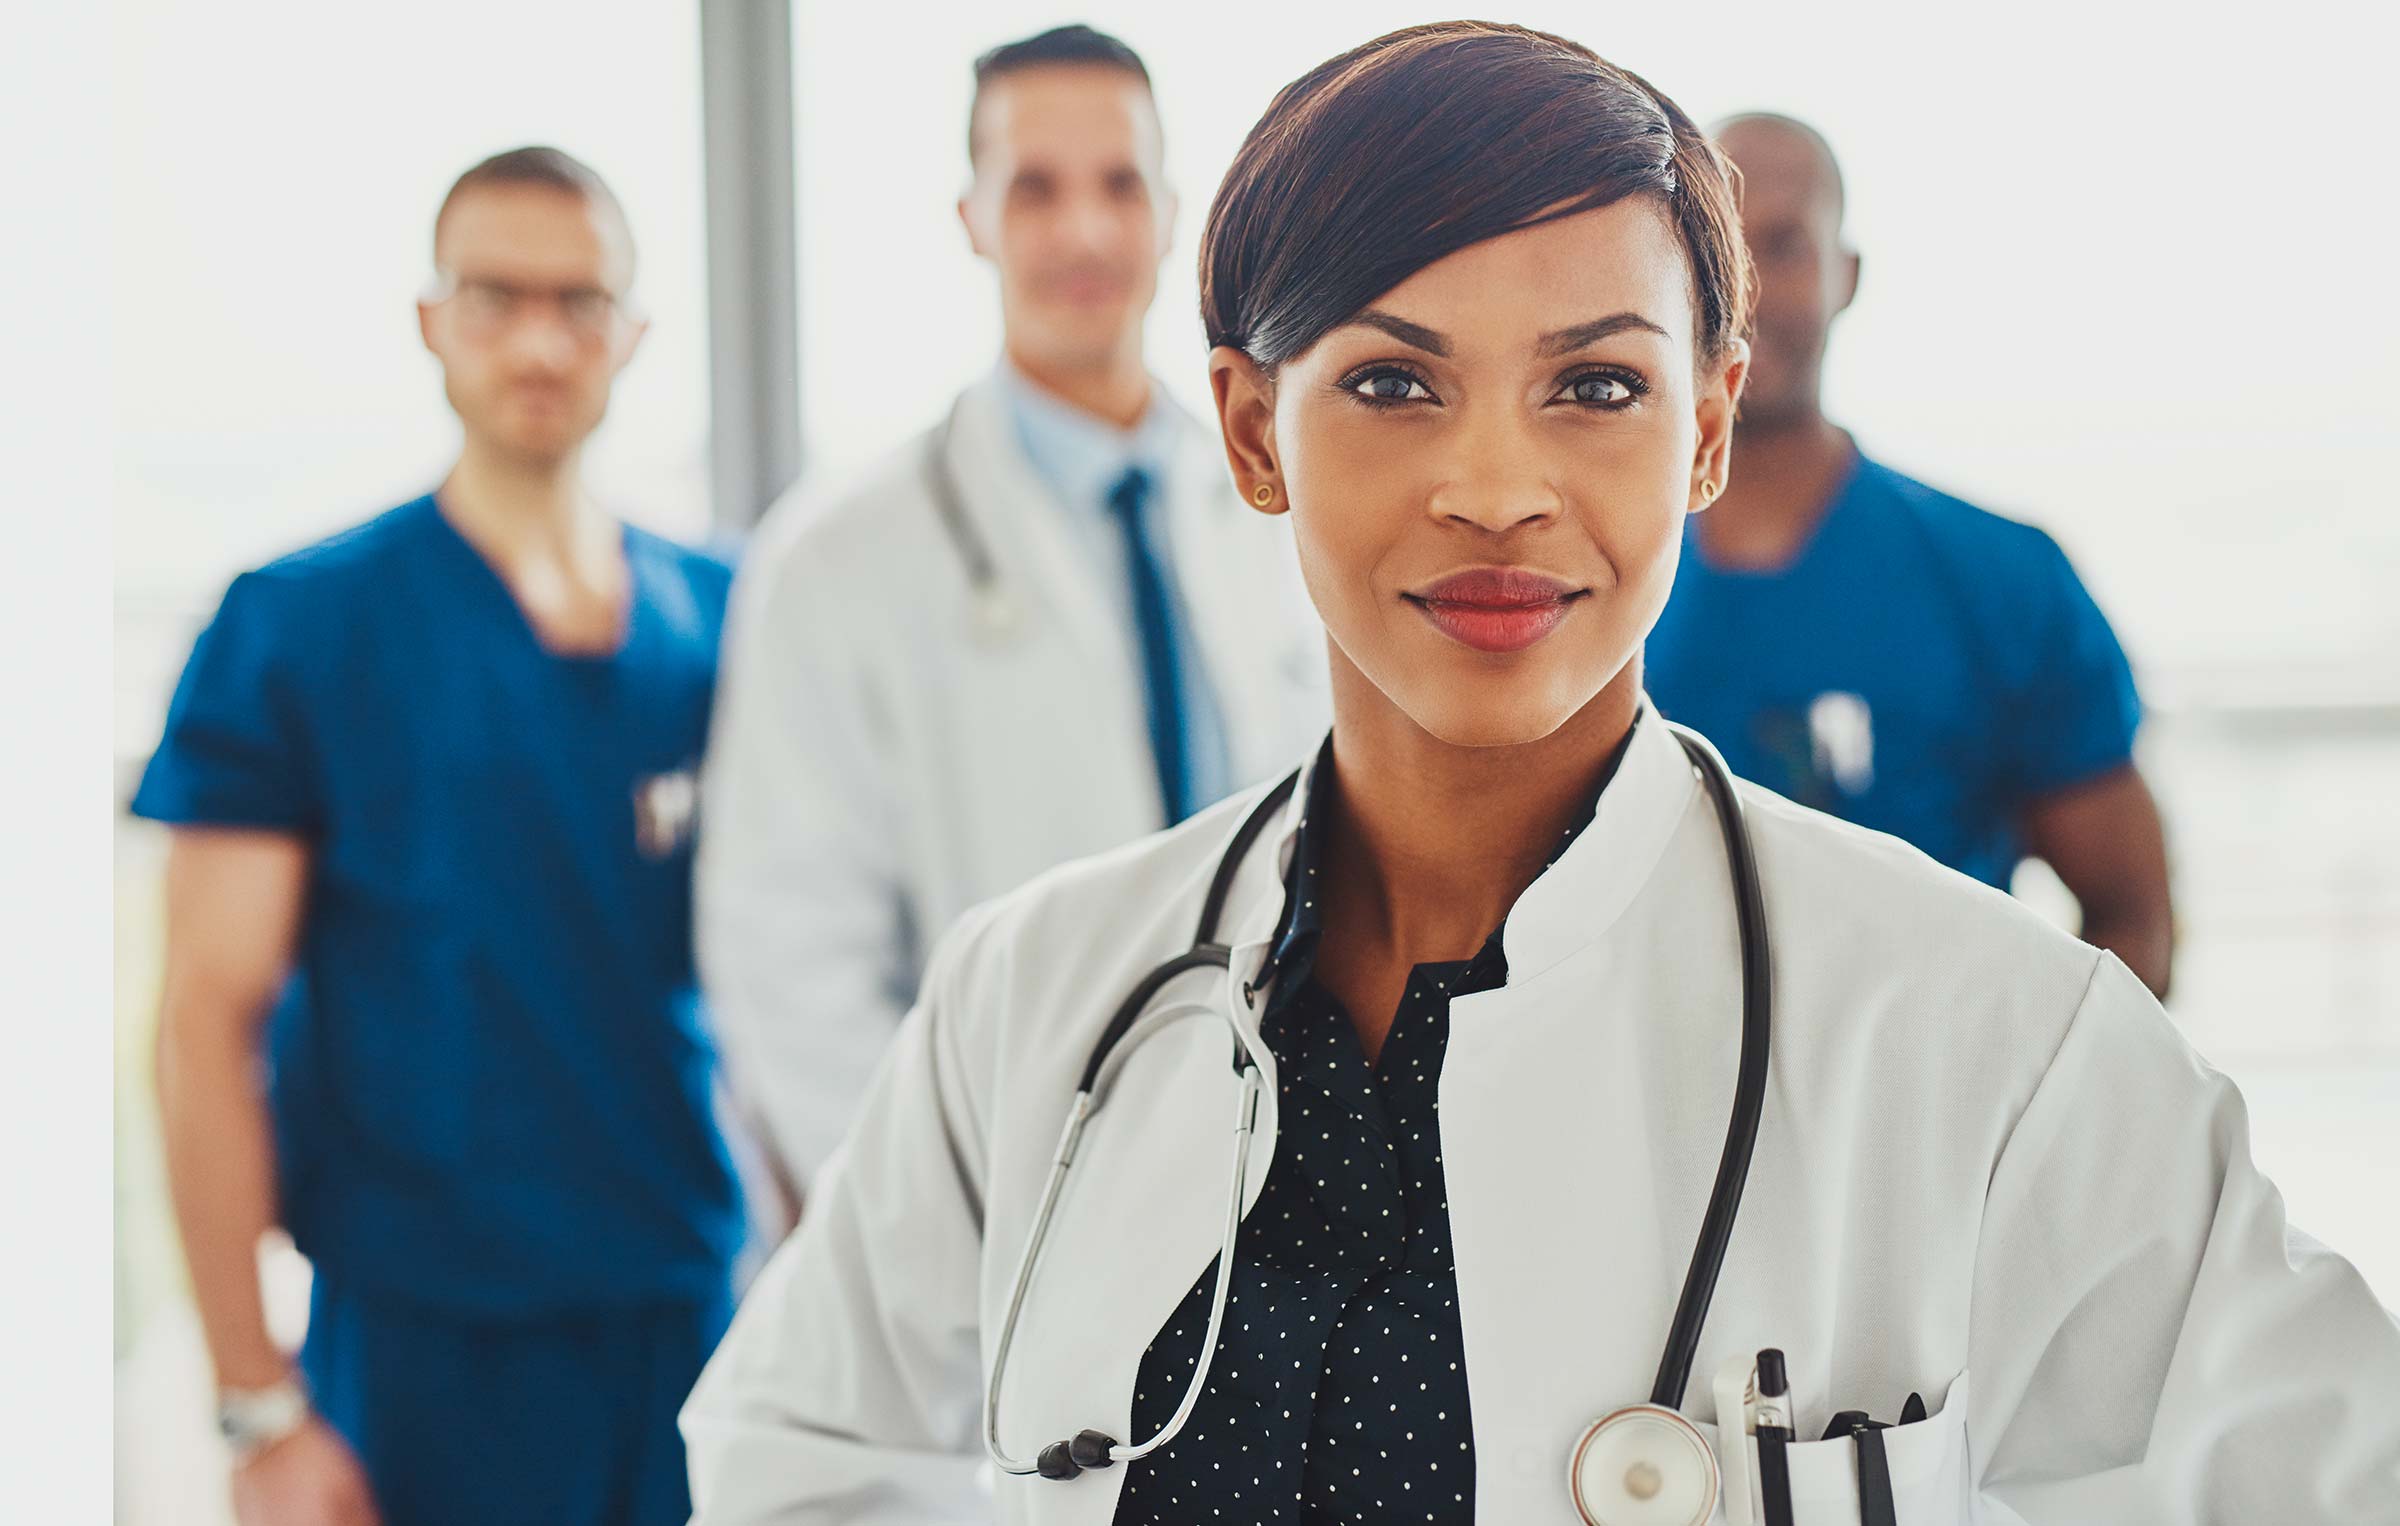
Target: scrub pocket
x=1927, y=1460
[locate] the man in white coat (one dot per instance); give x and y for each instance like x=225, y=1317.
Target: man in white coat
x=1042, y=628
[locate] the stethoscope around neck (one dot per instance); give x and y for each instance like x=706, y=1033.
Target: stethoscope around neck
x=1641, y=1465
x=993, y=613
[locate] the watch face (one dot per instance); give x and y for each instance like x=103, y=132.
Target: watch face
x=248, y=1420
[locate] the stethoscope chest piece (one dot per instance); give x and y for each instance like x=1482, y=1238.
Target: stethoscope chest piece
x=1643, y=1465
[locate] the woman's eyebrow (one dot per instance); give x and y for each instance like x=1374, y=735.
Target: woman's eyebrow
x=1564, y=341
x=1406, y=332
x=1557, y=342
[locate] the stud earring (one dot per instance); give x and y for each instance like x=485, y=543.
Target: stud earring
x=1263, y=494
x=1708, y=492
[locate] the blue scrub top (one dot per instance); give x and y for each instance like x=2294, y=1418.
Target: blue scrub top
x=491, y=1079
x=1922, y=667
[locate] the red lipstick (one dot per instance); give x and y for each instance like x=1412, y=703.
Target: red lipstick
x=1496, y=609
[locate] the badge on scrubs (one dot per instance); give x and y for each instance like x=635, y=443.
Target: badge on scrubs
x=665, y=807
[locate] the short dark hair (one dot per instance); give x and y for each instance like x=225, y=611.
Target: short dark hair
x=1073, y=44
x=536, y=165
x=1375, y=164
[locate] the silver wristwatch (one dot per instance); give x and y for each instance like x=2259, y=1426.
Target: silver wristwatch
x=253, y=1419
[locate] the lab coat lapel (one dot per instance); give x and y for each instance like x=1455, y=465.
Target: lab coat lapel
x=1567, y=1281
x=1038, y=559
x=1254, y=902
x=1579, y=897
x=1146, y=1202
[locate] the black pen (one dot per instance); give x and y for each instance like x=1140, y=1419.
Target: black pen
x=1773, y=1428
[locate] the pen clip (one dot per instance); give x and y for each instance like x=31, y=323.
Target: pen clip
x=1731, y=1388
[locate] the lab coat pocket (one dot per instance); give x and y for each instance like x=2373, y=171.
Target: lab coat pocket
x=1927, y=1461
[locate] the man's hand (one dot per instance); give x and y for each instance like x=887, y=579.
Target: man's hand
x=309, y=1478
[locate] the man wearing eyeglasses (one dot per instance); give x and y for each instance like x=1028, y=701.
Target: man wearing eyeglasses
x=429, y=1002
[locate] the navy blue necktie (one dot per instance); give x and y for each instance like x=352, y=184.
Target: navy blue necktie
x=1162, y=653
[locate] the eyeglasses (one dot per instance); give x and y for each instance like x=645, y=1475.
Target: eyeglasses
x=487, y=307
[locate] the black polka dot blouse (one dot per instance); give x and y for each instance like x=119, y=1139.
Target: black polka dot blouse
x=1338, y=1392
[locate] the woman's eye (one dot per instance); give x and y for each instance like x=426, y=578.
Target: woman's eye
x=1390, y=387
x=1601, y=390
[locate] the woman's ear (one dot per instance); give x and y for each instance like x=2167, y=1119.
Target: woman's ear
x=1719, y=401
x=1245, y=397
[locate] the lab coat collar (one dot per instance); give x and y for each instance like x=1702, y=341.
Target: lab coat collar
x=1569, y=904
x=1032, y=542
x=1294, y=944
x=1081, y=457
x=1254, y=908
x=1582, y=895
x=1043, y=561
x=1302, y=917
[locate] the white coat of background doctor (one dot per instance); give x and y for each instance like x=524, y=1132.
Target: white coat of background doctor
x=917, y=714
x=1487, y=386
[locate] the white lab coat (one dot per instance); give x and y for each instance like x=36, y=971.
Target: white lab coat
x=876, y=767
x=1988, y=1171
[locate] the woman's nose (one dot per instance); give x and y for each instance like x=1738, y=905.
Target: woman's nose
x=1498, y=477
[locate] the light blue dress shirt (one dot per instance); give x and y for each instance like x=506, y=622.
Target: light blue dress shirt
x=1079, y=458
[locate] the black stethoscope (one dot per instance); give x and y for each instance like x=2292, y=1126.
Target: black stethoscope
x=1642, y=1465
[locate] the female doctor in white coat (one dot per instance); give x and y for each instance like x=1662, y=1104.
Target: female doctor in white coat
x=1477, y=300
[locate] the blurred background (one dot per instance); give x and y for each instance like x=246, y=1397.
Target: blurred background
x=2122, y=280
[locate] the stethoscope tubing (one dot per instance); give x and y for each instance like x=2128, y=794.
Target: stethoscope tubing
x=1750, y=1082
x=1086, y=1102
x=950, y=504
x=1099, y=1074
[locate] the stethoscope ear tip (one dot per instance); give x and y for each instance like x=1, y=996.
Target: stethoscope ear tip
x=1086, y=1449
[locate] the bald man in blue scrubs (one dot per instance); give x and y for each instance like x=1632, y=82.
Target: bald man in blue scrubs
x=1873, y=647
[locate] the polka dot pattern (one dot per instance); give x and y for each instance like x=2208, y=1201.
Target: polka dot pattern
x=1338, y=1392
